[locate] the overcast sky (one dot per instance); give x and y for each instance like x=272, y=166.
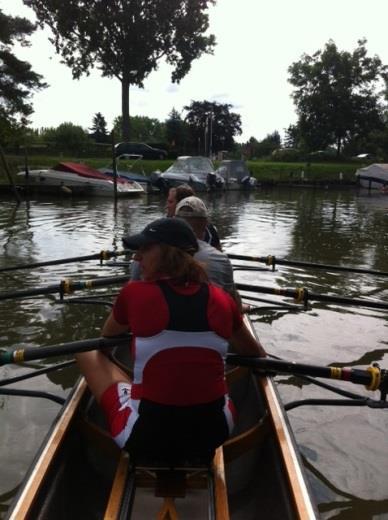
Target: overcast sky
x=256, y=43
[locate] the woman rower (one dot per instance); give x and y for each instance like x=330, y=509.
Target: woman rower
x=176, y=407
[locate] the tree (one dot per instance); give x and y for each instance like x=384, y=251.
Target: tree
x=336, y=95
x=143, y=129
x=176, y=132
x=17, y=80
x=266, y=146
x=67, y=137
x=127, y=38
x=212, y=125
x=98, y=129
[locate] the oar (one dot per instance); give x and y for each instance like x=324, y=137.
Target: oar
x=374, y=378
x=28, y=354
x=65, y=287
x=302, y=295
x=272, y=261
x=102, y=255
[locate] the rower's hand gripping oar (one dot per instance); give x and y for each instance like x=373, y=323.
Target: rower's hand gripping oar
x=374, y=377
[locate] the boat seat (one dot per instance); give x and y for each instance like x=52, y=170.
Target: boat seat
x=168, y=481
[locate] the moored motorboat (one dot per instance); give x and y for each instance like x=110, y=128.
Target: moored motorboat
x=236, y=175
x=130, y=174
x=80, y=473
x=196, y=171
x=374, y=176
x=79, y=179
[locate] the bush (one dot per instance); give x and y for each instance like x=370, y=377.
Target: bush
x=287, y=154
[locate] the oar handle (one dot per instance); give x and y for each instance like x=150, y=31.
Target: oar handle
x=29, y=354
x=374, y=378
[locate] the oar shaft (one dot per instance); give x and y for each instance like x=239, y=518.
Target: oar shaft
x=65, y=287
x=102, y=255
x=272, y=260
x=29, y=354
x=303, y=295
x=354, y=375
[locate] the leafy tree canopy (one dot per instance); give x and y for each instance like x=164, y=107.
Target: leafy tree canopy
x=143, y=129
x=67, y=137
x=336, y=95
x=212, y=125
x=17, y=80
x=127, y=38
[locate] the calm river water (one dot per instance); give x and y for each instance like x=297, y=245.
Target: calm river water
x=345, y=449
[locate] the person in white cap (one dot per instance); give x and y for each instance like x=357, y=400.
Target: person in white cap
x=217, y=264
x=175, y=195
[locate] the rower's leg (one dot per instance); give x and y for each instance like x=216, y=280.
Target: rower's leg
x=100, y=372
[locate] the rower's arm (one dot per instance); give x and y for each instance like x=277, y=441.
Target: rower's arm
x=244, y=343
x=112, y=327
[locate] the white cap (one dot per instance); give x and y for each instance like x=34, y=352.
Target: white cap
x=191, y=207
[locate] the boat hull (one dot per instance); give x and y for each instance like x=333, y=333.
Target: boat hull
x=373, y=177
x=73, y=475
x=143, y=180
x=52, y=181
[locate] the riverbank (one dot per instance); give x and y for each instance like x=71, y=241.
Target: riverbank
x=266, y=172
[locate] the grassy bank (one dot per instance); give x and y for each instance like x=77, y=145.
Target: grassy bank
x=264, y=171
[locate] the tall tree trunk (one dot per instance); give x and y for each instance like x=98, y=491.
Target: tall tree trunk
x=125, y=108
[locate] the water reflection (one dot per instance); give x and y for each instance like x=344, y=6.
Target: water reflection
x=348, y=472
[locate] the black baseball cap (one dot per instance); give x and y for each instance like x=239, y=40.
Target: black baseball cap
x=171, y=231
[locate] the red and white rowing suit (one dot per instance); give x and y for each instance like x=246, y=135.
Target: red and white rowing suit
x=180, y=337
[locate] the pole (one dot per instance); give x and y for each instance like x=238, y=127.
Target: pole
x=211, y=136
x=114, y=167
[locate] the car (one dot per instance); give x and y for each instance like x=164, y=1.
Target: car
x=143, y=149
x=364, y=157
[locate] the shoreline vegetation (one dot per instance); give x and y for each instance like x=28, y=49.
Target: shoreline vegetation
x=267, y=173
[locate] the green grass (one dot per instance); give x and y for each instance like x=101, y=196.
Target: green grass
x=314, y=173
x=264, y=171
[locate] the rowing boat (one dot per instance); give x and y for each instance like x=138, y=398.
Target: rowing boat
x=79, y=473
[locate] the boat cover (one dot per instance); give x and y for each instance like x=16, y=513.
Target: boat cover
x=375, y=172
x=85, y=171
x=233, y=169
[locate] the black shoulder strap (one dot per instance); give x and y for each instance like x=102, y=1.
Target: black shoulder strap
x=187, y=312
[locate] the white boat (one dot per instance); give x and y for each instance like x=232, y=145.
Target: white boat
x=79, y=179
x=374, y=176
x=196, y=171
x=132, y=172
x=236, y=175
